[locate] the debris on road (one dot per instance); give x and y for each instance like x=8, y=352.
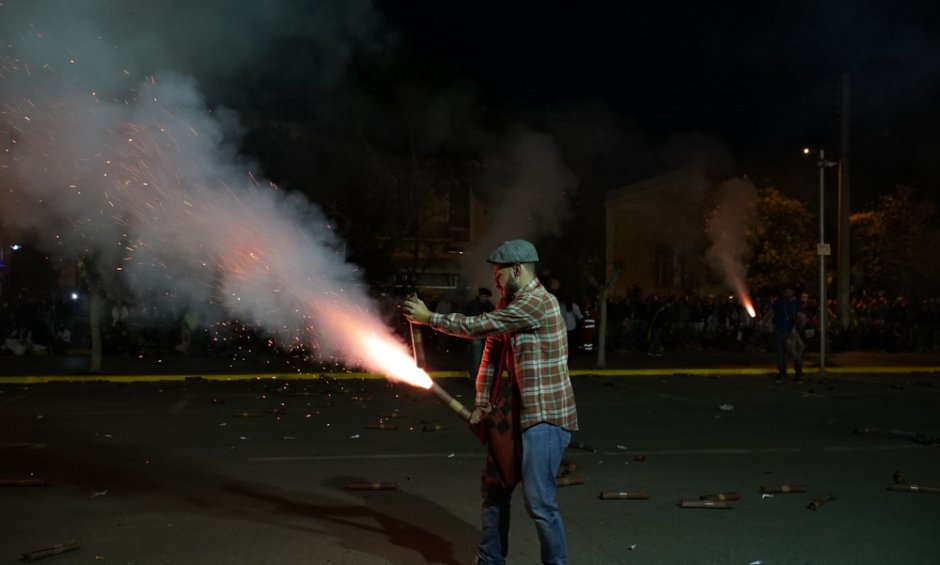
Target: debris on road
x=721, y=496
x=51, y=550
x=780, y=489
x=709, y=504
x=382, y=426
x=22, y=482
x=568, y=480
x=916, y=437
x=819, y=501
x=624, y=495
x=380, y=485
x=915, y=488
x=582, y=447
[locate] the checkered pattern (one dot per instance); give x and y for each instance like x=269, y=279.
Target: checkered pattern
x=532, y=326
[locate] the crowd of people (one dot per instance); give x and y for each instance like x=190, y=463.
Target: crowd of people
x=659, y=323
x=654, y=324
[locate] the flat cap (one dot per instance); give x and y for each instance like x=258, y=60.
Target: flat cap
x=514, y=251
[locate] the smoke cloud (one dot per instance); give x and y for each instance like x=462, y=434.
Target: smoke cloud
x=727, y=226
x=526, y=187
x=108, y=154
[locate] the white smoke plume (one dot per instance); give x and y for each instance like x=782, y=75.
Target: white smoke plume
x=133, y=171
x=526, y=189
x=727, y=226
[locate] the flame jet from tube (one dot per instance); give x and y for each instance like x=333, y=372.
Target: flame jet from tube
x=150, y=187
x=727, y=226
x=384, y=355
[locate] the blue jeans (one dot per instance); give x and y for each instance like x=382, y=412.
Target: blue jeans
x=542, y=448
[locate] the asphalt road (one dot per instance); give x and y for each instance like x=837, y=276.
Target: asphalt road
x=253, y=471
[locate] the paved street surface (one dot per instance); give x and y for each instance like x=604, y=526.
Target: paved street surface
x=205, y=471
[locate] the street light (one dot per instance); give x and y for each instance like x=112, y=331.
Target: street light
x=822, y=249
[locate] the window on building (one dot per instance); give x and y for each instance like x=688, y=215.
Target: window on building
x=663, y=267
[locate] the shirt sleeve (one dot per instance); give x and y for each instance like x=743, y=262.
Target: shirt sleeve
x=522, y=314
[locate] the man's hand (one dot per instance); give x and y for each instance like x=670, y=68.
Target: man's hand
x=479, y=412
x=415, y=310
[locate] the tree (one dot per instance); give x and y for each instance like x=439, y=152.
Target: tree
x=783, y=243
x=894, y=244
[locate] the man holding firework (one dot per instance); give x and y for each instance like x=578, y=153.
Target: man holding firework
x=527, y=421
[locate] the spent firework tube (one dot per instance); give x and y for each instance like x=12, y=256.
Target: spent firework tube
x=450, y=401
x=624, y=495
x=782, y=489
x=711, y=504
x=817, y=502
x=915, y=488
x=721, y=496
x=51, y=550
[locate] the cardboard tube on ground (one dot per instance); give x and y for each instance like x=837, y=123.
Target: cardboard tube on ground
x=51, y=550
x=568, y=480
x=915, y=488
x=710, y=504
x=819, y=501
x=624, y=495
x=783, y=489
x=721, y=496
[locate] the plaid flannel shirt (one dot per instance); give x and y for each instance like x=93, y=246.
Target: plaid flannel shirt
x=535, y=330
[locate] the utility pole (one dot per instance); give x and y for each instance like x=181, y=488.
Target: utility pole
x=844, y=267
x=822, y=249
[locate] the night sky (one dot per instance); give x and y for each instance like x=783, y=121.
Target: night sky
x=611, y=93
x=760, y=80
